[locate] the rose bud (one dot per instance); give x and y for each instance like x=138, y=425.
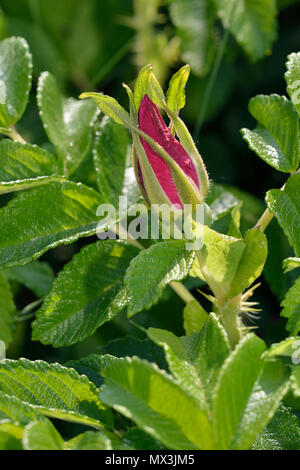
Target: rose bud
x=165, y=171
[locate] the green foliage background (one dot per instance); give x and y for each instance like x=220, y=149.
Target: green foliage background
x=95, y=45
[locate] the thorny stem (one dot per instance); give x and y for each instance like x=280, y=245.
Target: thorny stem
x=230, y=314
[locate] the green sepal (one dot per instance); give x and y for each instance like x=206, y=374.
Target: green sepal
x=132, y=108
x=147, y=84
x=141, y=85
x=188, y=144
x=176, y=90
x=187, y=189
x=154, y=193
x=111, y=107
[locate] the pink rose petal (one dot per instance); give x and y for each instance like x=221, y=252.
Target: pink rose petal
x=151, y=122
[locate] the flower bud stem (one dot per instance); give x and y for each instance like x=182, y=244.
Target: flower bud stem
x=13, y=134
x=264, y=220
x=182, y=292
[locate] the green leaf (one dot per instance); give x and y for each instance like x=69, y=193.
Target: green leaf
x=137, y=439
x=220, y=201
x=292, y=78
x=43, y=218
x=89, y=366
x=295, y=385
x=286, y=207
x=163, y=262
x=282, y=432
x=15, y=79
x=235, y=221
x=207, y=351
x=14, y=409
x=67, y=122
x=247, y=395
x=176, y=90
x=230, y=265
x=7, y=311
x=112, y=154
x=177, y=359
x=129, y=346
x=94, y=282
x=42, y=436
x=252, y=22
x=288, y=351
x=251, y=263
x=54, y=390
x=284, y=350
x=234, y=387
x=120, y=347
x=291, y=310
x=219, y=260
x=276, y=139
x=10, y=436
x=50, y=103
x=269, y=389
x=24, y=165
x=89, y=440
x=36, y=276
x=110, y=107
x=152, y=399
x=79, y=119
x=194, y=317
x=21, y=185
x=290, y=263
x=194, y=21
